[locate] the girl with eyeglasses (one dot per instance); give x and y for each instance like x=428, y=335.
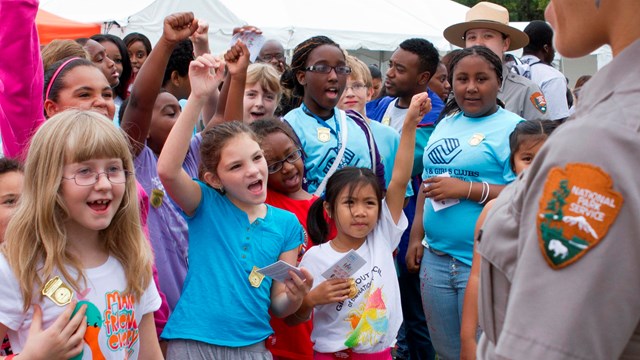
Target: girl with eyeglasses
x=75, y=258
x=284, y=191
x=330, y=138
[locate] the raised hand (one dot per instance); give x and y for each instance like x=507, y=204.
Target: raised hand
x=419, y=107
x=200, y=38
x=62, y=340
x=205, y=75
x=237, y=58
x=179, y=26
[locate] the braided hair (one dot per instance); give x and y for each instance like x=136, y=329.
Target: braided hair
x=301, y=53
x=489, y=56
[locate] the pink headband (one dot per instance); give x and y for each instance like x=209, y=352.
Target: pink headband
x=55, y=75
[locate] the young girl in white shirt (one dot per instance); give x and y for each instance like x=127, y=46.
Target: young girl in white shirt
x=359, y=317
x=75, y=246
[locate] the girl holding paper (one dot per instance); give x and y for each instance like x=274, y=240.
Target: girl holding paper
x=223, y=310
x=359, y=316
x=466, y=163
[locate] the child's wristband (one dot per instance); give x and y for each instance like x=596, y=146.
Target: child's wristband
x=10, y=357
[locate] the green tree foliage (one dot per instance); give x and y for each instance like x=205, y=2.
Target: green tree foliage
x=519, y=10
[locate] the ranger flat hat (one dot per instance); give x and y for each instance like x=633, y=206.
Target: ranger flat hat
x=486, y=15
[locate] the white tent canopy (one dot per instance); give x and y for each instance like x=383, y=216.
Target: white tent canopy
x=378, y=25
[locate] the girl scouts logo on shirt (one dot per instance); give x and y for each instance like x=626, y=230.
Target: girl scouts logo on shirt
x=538, y=100
x=577, y=208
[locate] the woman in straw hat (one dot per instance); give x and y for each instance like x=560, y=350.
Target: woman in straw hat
x=487, y=24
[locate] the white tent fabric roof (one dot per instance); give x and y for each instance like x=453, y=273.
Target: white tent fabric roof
x=378, y=25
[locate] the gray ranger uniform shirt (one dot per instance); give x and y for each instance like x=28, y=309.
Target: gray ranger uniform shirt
x=560, y=274
x=522, y=96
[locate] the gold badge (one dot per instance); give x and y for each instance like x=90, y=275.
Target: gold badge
x=324, y=134
x=577, y=208
x=156, y=197
x=353, y=290
x=59, y=292
x=476, y=139
x=255, y=278
x=386, y=120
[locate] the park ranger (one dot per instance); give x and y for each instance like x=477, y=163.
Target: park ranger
x=487, y=24
x=560, y=270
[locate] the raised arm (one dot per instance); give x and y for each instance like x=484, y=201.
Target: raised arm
x=21, y=75
x=137, y=117
x=179, y=185
x=230, y=105
x=200, y=40
x=420, y=105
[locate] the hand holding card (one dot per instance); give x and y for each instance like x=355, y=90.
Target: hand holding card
x=279, y=271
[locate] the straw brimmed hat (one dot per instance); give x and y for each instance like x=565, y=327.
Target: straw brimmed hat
x=486, y=15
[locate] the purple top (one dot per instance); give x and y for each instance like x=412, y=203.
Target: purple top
x=168, y=230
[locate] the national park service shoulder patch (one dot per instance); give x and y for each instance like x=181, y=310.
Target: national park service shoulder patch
x=577, y=207
x=539, y=102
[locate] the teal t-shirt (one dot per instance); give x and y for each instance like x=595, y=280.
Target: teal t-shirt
x=454, y=148
x=218, y=305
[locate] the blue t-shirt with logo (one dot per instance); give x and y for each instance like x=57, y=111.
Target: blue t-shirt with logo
x=470, y=149
x=321, y=140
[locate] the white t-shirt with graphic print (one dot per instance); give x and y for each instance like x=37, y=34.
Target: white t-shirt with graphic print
x=112, y=317
x=370, y=321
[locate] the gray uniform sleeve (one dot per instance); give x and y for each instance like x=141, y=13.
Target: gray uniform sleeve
x=535, y=104
x=590, y=308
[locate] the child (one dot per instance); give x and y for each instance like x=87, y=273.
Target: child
x=284, y=191
x=138, y=48
x=232, y=233
x=318, y=75
x=525, y=141
x=261, y=93
x=76, y=236
x=360, y=323
x=471, y=146
x=11, y=179
x=147, y=120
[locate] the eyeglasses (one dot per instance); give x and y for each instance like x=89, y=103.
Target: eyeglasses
x=269, y=57
x=325, y=69
x=87, y=177
x=291, y=158
x=355, y=87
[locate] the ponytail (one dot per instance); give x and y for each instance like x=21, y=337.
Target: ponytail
x=317, y=227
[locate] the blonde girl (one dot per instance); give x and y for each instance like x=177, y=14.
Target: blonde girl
x=76, y=237
x=262, y=92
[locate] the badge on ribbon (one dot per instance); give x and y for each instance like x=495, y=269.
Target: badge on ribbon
x=59, y=292
x=255, y=278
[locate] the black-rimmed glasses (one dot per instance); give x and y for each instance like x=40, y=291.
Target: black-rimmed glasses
x=90, y=177
x=291, y=158
x=325, y=69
